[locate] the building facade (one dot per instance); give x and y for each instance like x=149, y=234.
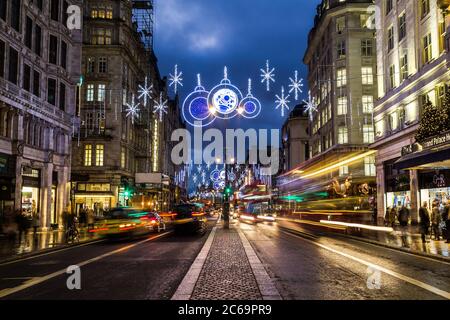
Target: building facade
x=39, y=72
x=413, y=70
x=341, y=60
x=295, y=139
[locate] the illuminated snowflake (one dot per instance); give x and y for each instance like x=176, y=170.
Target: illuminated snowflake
x=268, y=75
x=310, y=105
x=176, y=79
x=195, y=178
x=296, y=85
x=145, y=91
x=282, y=102
x=160, y=107
x=132, y=109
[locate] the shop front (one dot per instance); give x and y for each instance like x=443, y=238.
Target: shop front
x=397, y=186
x=434, y=186
x=31, y=191
x=7, y=188
x=97, y=197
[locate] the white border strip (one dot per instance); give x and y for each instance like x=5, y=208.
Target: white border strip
x=186, y=287
x=266, y=286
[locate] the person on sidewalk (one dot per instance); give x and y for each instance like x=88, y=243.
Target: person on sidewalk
x=392, y=216
x=403, y=216
x=35, y=223
x=436, y=220
x=424, y=216
x=446, y=219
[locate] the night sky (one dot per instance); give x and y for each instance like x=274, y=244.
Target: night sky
x=202, y=36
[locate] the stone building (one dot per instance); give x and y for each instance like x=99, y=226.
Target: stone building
x=39, y=72
x=413, y=69
x=118, y=142
x=341, y=60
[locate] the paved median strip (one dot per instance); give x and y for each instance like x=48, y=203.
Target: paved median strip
x=39, y=280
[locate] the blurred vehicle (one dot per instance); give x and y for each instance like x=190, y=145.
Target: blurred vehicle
x=128, y=222
x=190, y=217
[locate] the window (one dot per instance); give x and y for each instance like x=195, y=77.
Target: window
x=54, y=10
x=404, y=68
x=402, y=27
x=342, y=106
x=427, y=48
x=424, y=7
x=367, y=48
x=65, y=15
x=15, y=14
x=367, y=75
x=62, y=96
x=36, y=83
x=90, y=93
x=88, y=155
x=369, y=166
x=26, y=83
x=99, y=153
x=91, y=65
x=102, y=65
x=393, y=121
x=341, y=49
x=101, y=36
x=368, y=133
x=389, y=6
x=63, y=54
x=53, y=50
x=392, y=76
x=13, y=65
x=37, y=39
x=343, y=171
x=123, y=158
x=442, y=34
x=101, y=92
x=341, y=77
x=367, y=104
x=51, y=91
x=390, y=39
x=28, y=32
x=342, y=135
x=2, y=58
x=3, y=9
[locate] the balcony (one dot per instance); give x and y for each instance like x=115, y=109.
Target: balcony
x=96, y=133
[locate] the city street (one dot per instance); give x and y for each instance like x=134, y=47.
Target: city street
x=302, y=268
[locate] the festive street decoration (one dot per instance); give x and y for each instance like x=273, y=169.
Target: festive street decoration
x=195, y=108
x=160, y=107
x=310, y=106
x=145, y=92
x=176, y=79
x=250, y=107
x=434, y=120
x=296, y=85
x=132, y=109
x=268, y=75
x=282, y=102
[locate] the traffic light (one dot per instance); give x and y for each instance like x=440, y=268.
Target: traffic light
x=228, y=190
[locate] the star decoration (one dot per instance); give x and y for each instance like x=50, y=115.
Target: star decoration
x=296, y=85
x=310, y=106
x=268, y=75
x=160, y=107
x=282, y=102
x=132, y=109
x=145, y=91
x=176, y=79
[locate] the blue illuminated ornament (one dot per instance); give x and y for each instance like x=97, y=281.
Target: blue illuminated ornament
x=215, y=175
x=282, y=102
x=250, y=107
x=195, y=108
x=224, y=99
x=176, y=79
x=268, y=75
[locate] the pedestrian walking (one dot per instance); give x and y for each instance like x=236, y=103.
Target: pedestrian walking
x=403, y=216
x=436, y=220
x=392, y=217
x=446, y=220
x=424, y=216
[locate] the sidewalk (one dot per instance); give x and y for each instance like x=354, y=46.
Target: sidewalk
x=34, y=243
x=408, y=239
x=227, y=268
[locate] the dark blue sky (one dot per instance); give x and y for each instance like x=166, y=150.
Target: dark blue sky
x=202, y=36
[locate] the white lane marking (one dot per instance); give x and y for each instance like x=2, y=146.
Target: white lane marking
x=38, y=280
x=266, y=286
x=186, y=287
x=51, y=252
x=397, y=275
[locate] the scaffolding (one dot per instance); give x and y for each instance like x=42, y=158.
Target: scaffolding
x=143, y=19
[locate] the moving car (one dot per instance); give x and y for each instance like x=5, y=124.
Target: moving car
x=129, y=222
x=190, y=217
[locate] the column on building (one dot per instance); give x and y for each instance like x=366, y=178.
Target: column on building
x=381, y=186
x=415, y=202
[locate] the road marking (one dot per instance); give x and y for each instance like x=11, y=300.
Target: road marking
x=51, y=252
x=38, y=280
x=397, y=275
x=266, y=286
x=187, y=285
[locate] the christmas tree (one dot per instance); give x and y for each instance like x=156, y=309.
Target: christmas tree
x=434, y=121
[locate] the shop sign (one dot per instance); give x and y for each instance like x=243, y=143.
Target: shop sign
x=409, y=149
x=434, y=180
x=437, y=140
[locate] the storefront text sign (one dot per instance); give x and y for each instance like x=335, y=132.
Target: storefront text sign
x=437, y=140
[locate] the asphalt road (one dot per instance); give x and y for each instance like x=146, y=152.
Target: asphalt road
x=145, y=268
x=317, y=267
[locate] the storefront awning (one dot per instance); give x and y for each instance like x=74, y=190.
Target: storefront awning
x=427, y=159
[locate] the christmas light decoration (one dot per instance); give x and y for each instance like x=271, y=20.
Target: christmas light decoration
x=160, y=107
x=132, y=109
x=268, y=75
x=176, y=79
x=145, y=91
x=282, y=102
x=296, y=85
x=310, y=106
